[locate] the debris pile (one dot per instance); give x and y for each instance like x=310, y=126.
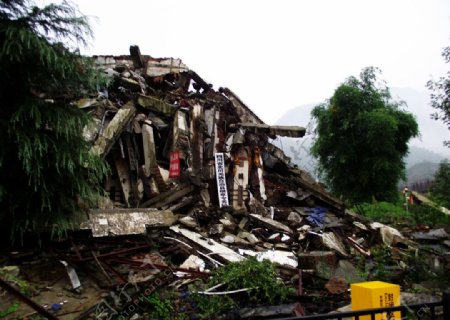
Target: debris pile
x=183, y=152
x=194, y=169
x=198, y=161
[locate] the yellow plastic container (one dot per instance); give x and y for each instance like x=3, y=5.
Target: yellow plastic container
x=376, y=294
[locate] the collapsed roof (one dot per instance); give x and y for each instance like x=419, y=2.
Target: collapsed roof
x=173, y=142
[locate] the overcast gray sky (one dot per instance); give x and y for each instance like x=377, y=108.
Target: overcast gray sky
x=277, y=55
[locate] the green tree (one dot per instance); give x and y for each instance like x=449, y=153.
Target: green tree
x=440, y=190
x=46, y=169
x=362, y=139
x=440, y=96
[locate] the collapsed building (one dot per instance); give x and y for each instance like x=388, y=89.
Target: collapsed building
x=199, y=164
x=196, y=170
x=173, y=142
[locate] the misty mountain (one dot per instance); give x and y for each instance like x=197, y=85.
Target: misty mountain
x=298, y=148
x=432, y=132
x=421, y=172
x=422, y=155
x=427, y=148
x=298, y=116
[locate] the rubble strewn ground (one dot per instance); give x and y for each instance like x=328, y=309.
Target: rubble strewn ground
x=196, y=185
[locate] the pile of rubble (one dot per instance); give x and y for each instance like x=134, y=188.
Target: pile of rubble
x=183, y=152
x=194, y=169
x=200, y=162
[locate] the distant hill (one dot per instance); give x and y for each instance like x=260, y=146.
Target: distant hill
x=298, y=116
x=421, y=172
x=427, y=148
x=419, y=155
x=421, y=163
x=432, y=132
x=298, y=148
x=420, y=176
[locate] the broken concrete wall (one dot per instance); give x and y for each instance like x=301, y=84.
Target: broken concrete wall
x=170, y=109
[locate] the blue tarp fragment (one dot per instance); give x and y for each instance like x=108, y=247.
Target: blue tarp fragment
x=316, y=215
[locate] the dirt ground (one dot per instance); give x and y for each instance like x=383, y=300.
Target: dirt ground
x=48, y=284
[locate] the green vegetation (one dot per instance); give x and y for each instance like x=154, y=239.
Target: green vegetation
x=384, y=212
x=259, y=277
x=396, y=213
x=209, y=307
x=170, y=305
x=383, y=259
x=440, y=190
x=427, y=215
x=161, y=308
x=405, y=267
x=46, y=170
x=17, y=281
x=11, y=309
x=440, y=97
x=384, y=265
x=362, y=140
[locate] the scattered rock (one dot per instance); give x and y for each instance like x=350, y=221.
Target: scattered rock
x=188, y=222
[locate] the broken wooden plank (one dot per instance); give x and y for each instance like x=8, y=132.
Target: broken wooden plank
x=197, y=138
x=184, y=203
x=258, y=162
x=277, y=153
x=239, y=191
x=114, y=222
x=148, y=141
x=428, y=202
x=159, y=197
x=211, y=128
x=135, y=54
x=244, y=112
x=168, y=197
x=272, y=131
x=287, y=131
x=112, y=132
x=271, y=224
x=209, y=245
x=180, y=134
x=124, y=179
x=317, y=191
x=172, y=198
x=157, y=105
x=133, y=165
x=199, y=82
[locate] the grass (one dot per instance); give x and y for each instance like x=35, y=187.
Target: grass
x=11, y=309
x=394, y=213
x=382, y=263
x=259, y=276
x=428, y=215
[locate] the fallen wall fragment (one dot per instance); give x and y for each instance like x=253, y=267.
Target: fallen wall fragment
x=114, y=222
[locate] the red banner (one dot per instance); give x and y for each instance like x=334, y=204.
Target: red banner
x=174, y=169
